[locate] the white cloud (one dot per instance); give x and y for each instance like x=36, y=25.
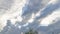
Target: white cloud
x=52, y=1
x=25, y=24
x=49, y=19
x=31, y=19
x=15, y=11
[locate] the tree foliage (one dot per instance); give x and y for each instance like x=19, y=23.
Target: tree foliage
x=31, y=31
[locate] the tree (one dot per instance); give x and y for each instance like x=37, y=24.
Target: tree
x=31, y=31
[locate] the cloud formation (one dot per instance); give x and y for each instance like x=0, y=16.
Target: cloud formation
x=29, y=13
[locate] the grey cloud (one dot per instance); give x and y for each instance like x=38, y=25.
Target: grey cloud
x=5, y=5
x=33, y=6
x=49, y=10
x=28, y=10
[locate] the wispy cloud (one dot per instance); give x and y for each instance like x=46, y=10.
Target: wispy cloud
x=31, y=13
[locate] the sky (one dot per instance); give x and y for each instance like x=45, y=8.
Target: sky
x=27, y=11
